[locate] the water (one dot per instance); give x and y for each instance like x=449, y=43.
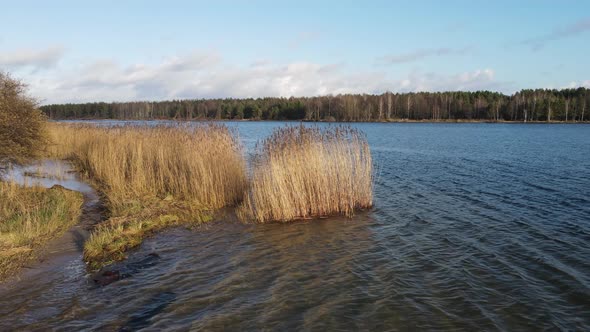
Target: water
x=60, y=260
x=475, y=227
x=47, y=173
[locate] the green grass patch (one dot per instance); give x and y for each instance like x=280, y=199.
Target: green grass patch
x=111, y=240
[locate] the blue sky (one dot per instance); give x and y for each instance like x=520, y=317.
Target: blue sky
x=70, y=51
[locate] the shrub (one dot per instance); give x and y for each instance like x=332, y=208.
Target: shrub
x=21, y=123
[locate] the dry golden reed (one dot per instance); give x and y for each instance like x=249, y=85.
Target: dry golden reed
x=200, y=163
x=302, y=172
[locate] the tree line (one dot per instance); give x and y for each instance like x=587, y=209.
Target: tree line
x=526, y=105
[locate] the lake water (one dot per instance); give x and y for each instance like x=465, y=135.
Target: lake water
x=475, y=227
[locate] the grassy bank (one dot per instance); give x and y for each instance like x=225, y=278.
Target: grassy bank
x=110, y=241
x=152, y=177
x=304, y=172
x=29, y=217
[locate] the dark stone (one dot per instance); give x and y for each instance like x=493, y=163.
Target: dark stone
x=107, y=277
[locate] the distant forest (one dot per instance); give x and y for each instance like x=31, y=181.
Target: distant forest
x=526, y=105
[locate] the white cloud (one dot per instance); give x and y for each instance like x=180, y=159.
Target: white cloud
x=36, y=59
x=576, y=84
x=420, y=54
x=480, y=79
x=192, y=61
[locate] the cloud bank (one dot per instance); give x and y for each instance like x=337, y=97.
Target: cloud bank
x=420, y=54
x=205, y=74
x=571, y=30
x=35, y=59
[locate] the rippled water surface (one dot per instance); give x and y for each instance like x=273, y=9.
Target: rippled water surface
x=475, y=226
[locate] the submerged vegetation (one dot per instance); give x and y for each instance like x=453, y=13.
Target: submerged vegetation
x=111, y=239
x=304, y=172
x=525, y=105
x=31, y=216
x=152, y=177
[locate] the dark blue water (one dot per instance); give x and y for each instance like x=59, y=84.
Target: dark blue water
x=475, y=227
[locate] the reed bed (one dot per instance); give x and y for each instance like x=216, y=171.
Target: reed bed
x=302, y=172
x=152, y=177
x=200, y=163
x=29, y=217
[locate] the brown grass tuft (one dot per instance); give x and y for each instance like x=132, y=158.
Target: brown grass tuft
x=29, y=217
x=302, y=172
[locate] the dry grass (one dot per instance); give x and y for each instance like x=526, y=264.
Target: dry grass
x=304, y=172
x=202, y=163
x=29, y=217
x=152, y=177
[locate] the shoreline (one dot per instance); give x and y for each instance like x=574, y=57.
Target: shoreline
x=324, y=121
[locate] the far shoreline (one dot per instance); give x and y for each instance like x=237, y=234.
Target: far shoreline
x=458, y=121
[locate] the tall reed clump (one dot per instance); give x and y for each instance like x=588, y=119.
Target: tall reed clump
x=152, y=177
x=302, y=172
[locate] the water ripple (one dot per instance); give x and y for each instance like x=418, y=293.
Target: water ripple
x=475, y=227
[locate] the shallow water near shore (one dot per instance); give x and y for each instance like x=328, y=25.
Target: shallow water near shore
x=475, y=226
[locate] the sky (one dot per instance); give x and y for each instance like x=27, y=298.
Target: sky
x=77, y=51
